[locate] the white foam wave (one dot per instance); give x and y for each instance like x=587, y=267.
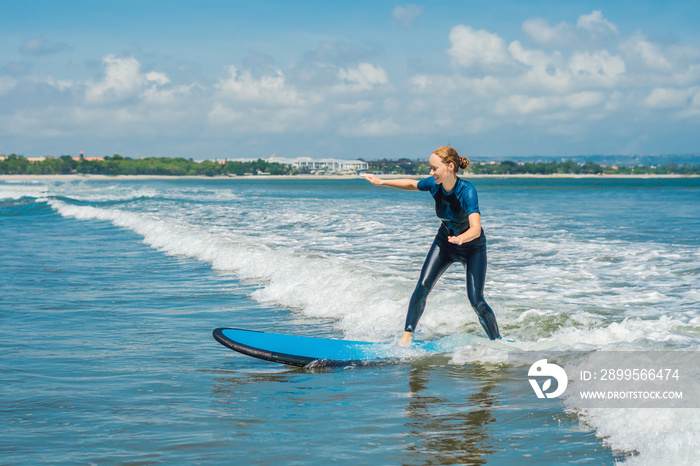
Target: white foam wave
x=10, y=181
x=201, y=194
x=87, y=193
x=15, y=191
x=655, y=435
x=556, y=287
x=316, y=286
x=323, y=265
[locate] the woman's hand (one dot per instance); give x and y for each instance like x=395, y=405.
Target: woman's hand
x=375, y=180
x=471, y=234
x=455, y=240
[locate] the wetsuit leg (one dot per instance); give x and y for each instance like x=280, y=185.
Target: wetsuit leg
x=475, y=263
x=437, y=261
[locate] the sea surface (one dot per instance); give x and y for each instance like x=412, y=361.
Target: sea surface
x=110, y=290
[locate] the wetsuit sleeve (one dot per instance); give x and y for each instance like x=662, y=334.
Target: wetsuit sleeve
x=470, y=202
x=427, y=184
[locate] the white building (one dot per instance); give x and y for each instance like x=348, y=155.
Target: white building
x=316, y=165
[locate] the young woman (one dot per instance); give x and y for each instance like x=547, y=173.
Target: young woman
x=459, y=239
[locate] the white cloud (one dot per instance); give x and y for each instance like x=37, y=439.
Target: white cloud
x=361, y=106
x=371, y=127
x=406, y=15
x=539, y=32
x=266, y=90
x=7, y=84
x=41, y=46
x=687, y=76
x=669, y=98
x=695, y=104
x=456, y=85
x=266, y=104
x=169, y=96
x=61, y=85
x=222, y=115
x=471, y=47
x=596, y=24
x=158, y=78
x=116, y=105
x=546, y=71
x=591, y=28
x=598, y=68
x=260, y=120
x=364, y=77
x=271, y=104
x=562, y=79
x=122, y=79
x=524, y=104
x=584, y=99
x=614, y=101
x=646, y=52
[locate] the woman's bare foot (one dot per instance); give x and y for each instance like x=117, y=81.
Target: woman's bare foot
x=406, y=339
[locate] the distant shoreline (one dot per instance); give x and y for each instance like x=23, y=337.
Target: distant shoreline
x=74, y=177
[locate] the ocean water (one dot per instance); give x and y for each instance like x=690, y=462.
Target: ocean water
x=110, y=290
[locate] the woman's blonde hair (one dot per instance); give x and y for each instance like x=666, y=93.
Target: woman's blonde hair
x=449, y=154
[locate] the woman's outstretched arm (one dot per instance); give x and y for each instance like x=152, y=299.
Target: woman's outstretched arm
x=405, y=184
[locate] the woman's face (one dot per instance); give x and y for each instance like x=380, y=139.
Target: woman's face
x=439, y=170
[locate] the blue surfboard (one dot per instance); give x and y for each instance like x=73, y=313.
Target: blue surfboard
x=311, y=351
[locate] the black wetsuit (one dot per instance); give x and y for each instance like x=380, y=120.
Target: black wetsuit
x=454, y=209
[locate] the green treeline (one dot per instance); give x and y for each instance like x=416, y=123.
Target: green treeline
x=574, y=168
x=567, y=167
x=118, y=165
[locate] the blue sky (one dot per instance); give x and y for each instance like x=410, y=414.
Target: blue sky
x=372, y=79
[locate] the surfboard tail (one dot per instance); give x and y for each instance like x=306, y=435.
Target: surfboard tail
x=268, y=355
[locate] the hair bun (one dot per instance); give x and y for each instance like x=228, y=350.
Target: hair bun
x=448, y=154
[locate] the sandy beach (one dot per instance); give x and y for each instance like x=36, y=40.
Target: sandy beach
x=75, y=177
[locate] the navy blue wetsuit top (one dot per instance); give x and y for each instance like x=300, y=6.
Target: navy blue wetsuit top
x=453, y=208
